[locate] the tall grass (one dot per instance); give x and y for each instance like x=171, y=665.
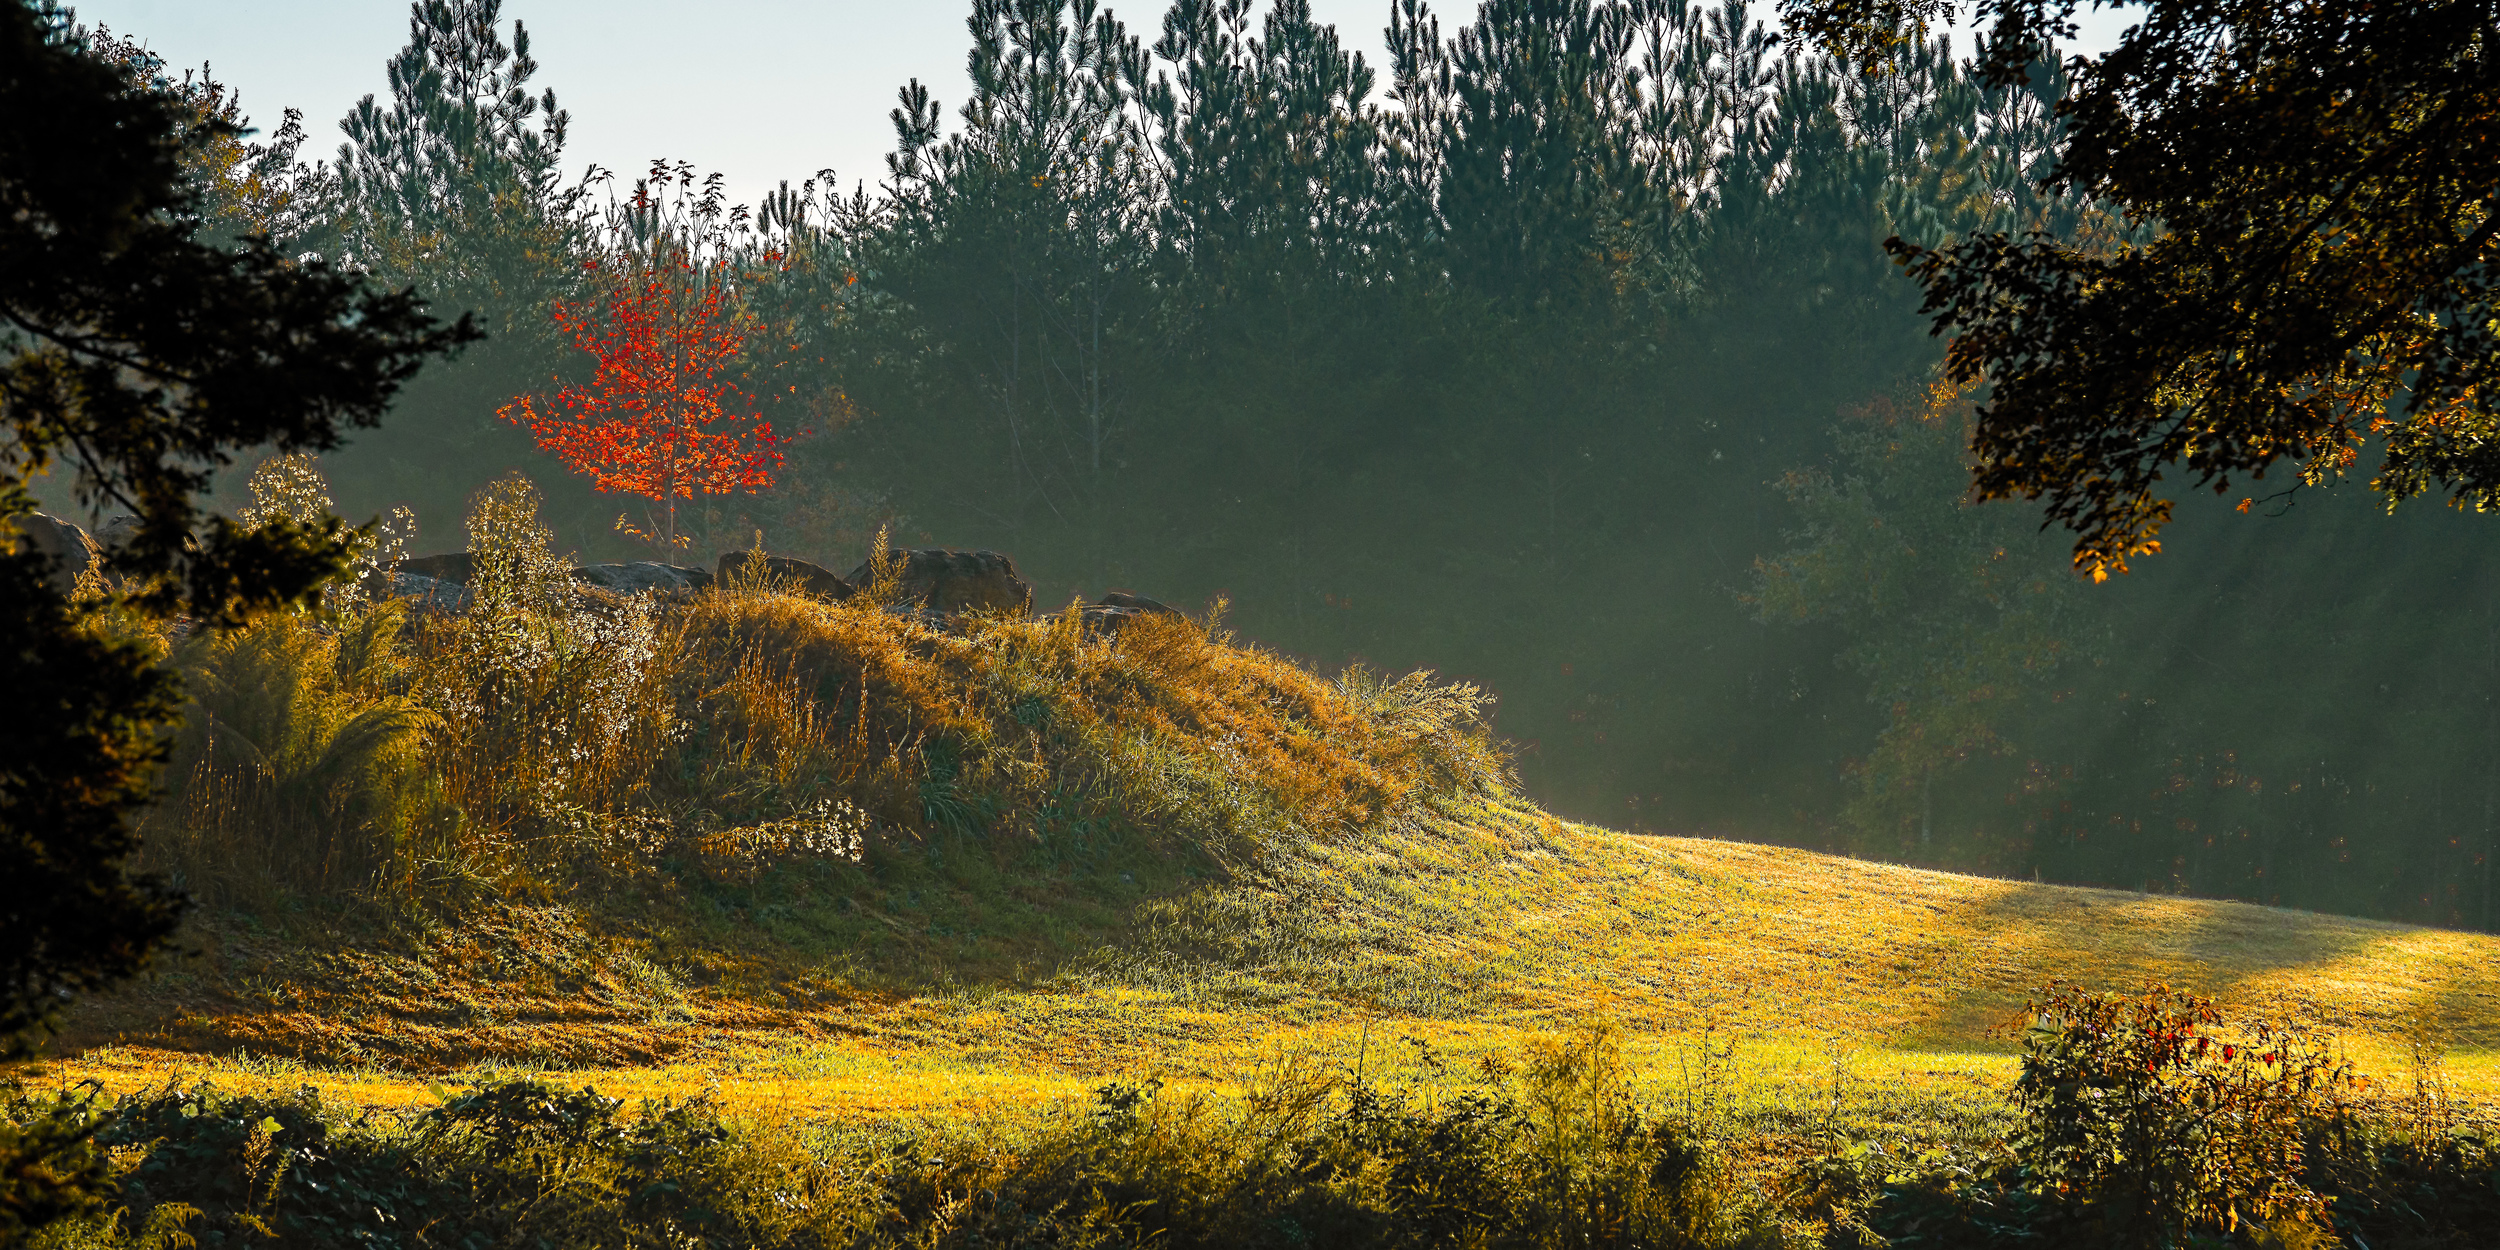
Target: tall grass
x=302, y=768
x=552, y=739
x=1548, y=1152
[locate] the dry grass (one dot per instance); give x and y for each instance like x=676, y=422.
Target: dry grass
x=834, y=857
x=1845, y=989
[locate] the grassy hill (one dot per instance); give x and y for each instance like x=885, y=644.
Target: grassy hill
x=913, y=908
x=843, y=855
x=1466, y=928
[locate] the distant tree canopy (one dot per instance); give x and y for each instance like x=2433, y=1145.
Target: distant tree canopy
x=1512, y=356
x=137, y=358
x=2326, y=272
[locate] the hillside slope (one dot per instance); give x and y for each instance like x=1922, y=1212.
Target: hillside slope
x=811, y=843
x=1464, y=928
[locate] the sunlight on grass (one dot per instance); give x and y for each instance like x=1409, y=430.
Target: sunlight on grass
x=1145, y=855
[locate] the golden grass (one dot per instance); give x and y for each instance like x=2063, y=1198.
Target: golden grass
x=1863, y=990
x=1001, y=862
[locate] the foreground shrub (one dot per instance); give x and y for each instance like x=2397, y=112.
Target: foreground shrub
x=2149, y=1120
x=301, y=764
x=2148, y=1112
x=1556, y=1155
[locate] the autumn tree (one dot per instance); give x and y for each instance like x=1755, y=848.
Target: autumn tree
x=666, y=414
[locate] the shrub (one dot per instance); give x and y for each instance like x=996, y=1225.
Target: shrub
x=2161, y=1121
x=55, y=1173
x=300, y=766
x=1555, y=1155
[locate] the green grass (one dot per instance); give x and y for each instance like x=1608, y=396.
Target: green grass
x=902, y=910
x=1471, y=929
x=837, y=860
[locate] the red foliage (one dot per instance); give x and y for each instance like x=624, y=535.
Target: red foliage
x=662, y=416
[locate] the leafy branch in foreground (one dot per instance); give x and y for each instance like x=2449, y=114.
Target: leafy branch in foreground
x=2324, y=274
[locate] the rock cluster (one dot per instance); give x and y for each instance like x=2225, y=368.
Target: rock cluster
x=936, y=583
x=799, y=575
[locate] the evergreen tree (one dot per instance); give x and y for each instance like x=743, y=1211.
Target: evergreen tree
x=452, y=188
x=1018, y=243
x=138, y=358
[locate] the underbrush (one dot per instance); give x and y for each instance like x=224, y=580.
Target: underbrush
x=1541, y=1147
x=1547, y=1152
x=553, y=744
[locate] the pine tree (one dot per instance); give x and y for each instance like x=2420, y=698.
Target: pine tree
x=144, y=358
x=454, y=186
x=1019, y=240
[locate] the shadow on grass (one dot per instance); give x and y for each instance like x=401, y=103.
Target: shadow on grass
x=2350, y=975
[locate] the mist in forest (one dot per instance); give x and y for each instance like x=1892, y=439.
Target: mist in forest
x=1559, y=354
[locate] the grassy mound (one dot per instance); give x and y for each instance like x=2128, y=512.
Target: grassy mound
x=1147, y=934
x=846, y=858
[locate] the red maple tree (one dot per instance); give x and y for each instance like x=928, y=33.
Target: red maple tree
x=662, y=415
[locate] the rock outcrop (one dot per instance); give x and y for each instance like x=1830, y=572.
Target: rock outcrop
x=1117, y=609
x=455, y=567
x=947, y=582
x=639, y=576
x=64, y=546
x=806, y=578
x=429, y=594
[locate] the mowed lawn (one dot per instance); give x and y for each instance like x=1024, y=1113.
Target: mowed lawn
x=1760, y=980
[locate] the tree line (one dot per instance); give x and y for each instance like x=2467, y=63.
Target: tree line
x=1561, y=353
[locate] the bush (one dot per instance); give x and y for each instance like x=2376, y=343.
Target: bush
x=2147, y=1120
x=301, y=763
x=2159, y=1121
x=1555, y=1155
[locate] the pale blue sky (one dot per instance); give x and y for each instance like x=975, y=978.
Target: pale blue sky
x=760, y=90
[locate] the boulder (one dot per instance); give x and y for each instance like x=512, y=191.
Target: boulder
x=1117, y=609
x=640, y=576
x=455, y=567
x=946, y=581
x=1136, y=603
x=63, y=545
x=806, y=578
x=117, y=532
x=428, y=594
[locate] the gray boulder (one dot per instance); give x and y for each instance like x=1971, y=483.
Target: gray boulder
x=806, y=578
x=117, y=531
x=429, y=594
x=946, y=581
x=1118, y=609
x=455, y=567
x=64, y=546
x=1125, y=601
x=640, y=576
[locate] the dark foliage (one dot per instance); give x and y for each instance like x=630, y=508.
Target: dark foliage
x=51, y=1165
x=139, y=359
x=2323, y=277
x=527, y=1163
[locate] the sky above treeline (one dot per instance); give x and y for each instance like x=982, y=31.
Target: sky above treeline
x=759, y=90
